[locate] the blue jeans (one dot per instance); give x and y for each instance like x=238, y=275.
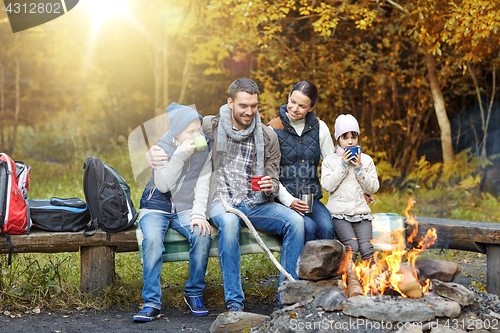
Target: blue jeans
x=154, y=226
x=271, y=217
x=318, y=224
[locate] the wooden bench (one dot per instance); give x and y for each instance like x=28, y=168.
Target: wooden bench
x=480, y=237
x=98, y=254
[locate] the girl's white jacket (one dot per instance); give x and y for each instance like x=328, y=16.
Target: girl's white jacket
x=345, y=188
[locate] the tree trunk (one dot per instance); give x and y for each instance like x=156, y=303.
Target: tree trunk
x=440, y=108
x=485, y=116
x=12, y=139
x=185, y=77
x=166, y=93
x=158, y=76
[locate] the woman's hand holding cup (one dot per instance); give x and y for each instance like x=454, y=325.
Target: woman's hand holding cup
x=299, y=206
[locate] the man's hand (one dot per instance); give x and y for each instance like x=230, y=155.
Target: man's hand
x=156, y=156
x=299, y=206
x=202, y=225
x=266, y=184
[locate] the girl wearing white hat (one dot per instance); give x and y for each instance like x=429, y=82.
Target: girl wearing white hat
x=348, y=175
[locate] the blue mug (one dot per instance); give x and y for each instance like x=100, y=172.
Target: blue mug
x=354, y=151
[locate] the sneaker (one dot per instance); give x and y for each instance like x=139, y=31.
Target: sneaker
x=196, y=306
x=147, y=314
x=235, y=307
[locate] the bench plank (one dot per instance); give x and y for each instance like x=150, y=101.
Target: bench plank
x=458, y=234
x=53, y=242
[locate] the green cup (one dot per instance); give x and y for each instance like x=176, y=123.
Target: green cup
x=200, y=143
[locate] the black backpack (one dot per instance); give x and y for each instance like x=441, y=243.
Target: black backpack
x=108, y=198
x=58, y=214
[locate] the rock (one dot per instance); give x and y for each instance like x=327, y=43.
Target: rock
x=442, y=270
x=409, y=330
x=295, y=291
x=236, y=322
x=442, y=307
x=321, y=259
x=388, y=309
x=453, y=291
x=330, y=299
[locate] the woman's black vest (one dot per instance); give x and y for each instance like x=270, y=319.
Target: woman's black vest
x=300, y=155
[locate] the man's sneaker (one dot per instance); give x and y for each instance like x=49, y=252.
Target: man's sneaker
x=235, y=307
x=196, y=306
x=147, y=314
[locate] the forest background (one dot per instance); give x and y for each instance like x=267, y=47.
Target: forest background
x=419, y=75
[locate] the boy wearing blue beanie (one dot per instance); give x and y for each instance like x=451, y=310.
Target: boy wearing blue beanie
x=176, y=197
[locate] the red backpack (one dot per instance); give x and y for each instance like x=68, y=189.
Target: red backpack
x=14, y=212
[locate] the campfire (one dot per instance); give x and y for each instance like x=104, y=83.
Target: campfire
x=394, y=272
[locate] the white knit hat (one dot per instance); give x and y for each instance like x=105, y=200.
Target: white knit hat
x=345, y=123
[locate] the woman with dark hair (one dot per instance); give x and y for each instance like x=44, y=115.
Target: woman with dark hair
x=304, y=140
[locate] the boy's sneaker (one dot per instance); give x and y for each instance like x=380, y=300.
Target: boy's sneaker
x=147, y=314
x=235, y=307
x=196, y=306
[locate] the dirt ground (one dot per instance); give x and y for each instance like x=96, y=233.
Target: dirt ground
x=172, y=320
x=473, y=268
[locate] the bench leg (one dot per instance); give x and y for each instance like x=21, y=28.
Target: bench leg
x=493, y=269
x=97, y=268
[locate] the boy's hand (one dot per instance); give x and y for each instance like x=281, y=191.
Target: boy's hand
x=188, y=146
x=299, y=206
x=156, y=156
x=266, y=184
x=202, y=225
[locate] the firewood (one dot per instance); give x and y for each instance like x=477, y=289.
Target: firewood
x=380, y=283
x=353, y=285
x=409, y=285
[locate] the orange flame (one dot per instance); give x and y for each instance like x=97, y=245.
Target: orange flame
x=384, y=273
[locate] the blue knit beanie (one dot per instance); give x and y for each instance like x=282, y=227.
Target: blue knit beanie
x=179, y=117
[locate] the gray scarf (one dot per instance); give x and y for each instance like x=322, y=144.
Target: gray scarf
x=255, y=128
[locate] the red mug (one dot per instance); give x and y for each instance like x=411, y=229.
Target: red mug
x=254, y=183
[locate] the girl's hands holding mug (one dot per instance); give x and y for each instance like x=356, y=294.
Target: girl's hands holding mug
x=349, y=157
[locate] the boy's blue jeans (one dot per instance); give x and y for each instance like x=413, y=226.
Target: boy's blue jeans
x=270, y=217
x=154, y=226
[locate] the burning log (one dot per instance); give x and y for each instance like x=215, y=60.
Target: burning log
x=353, y=285
x=380, y=283
x=409, y=284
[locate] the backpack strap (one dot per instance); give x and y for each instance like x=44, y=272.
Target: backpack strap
x=91, y=228
x=29, y=217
